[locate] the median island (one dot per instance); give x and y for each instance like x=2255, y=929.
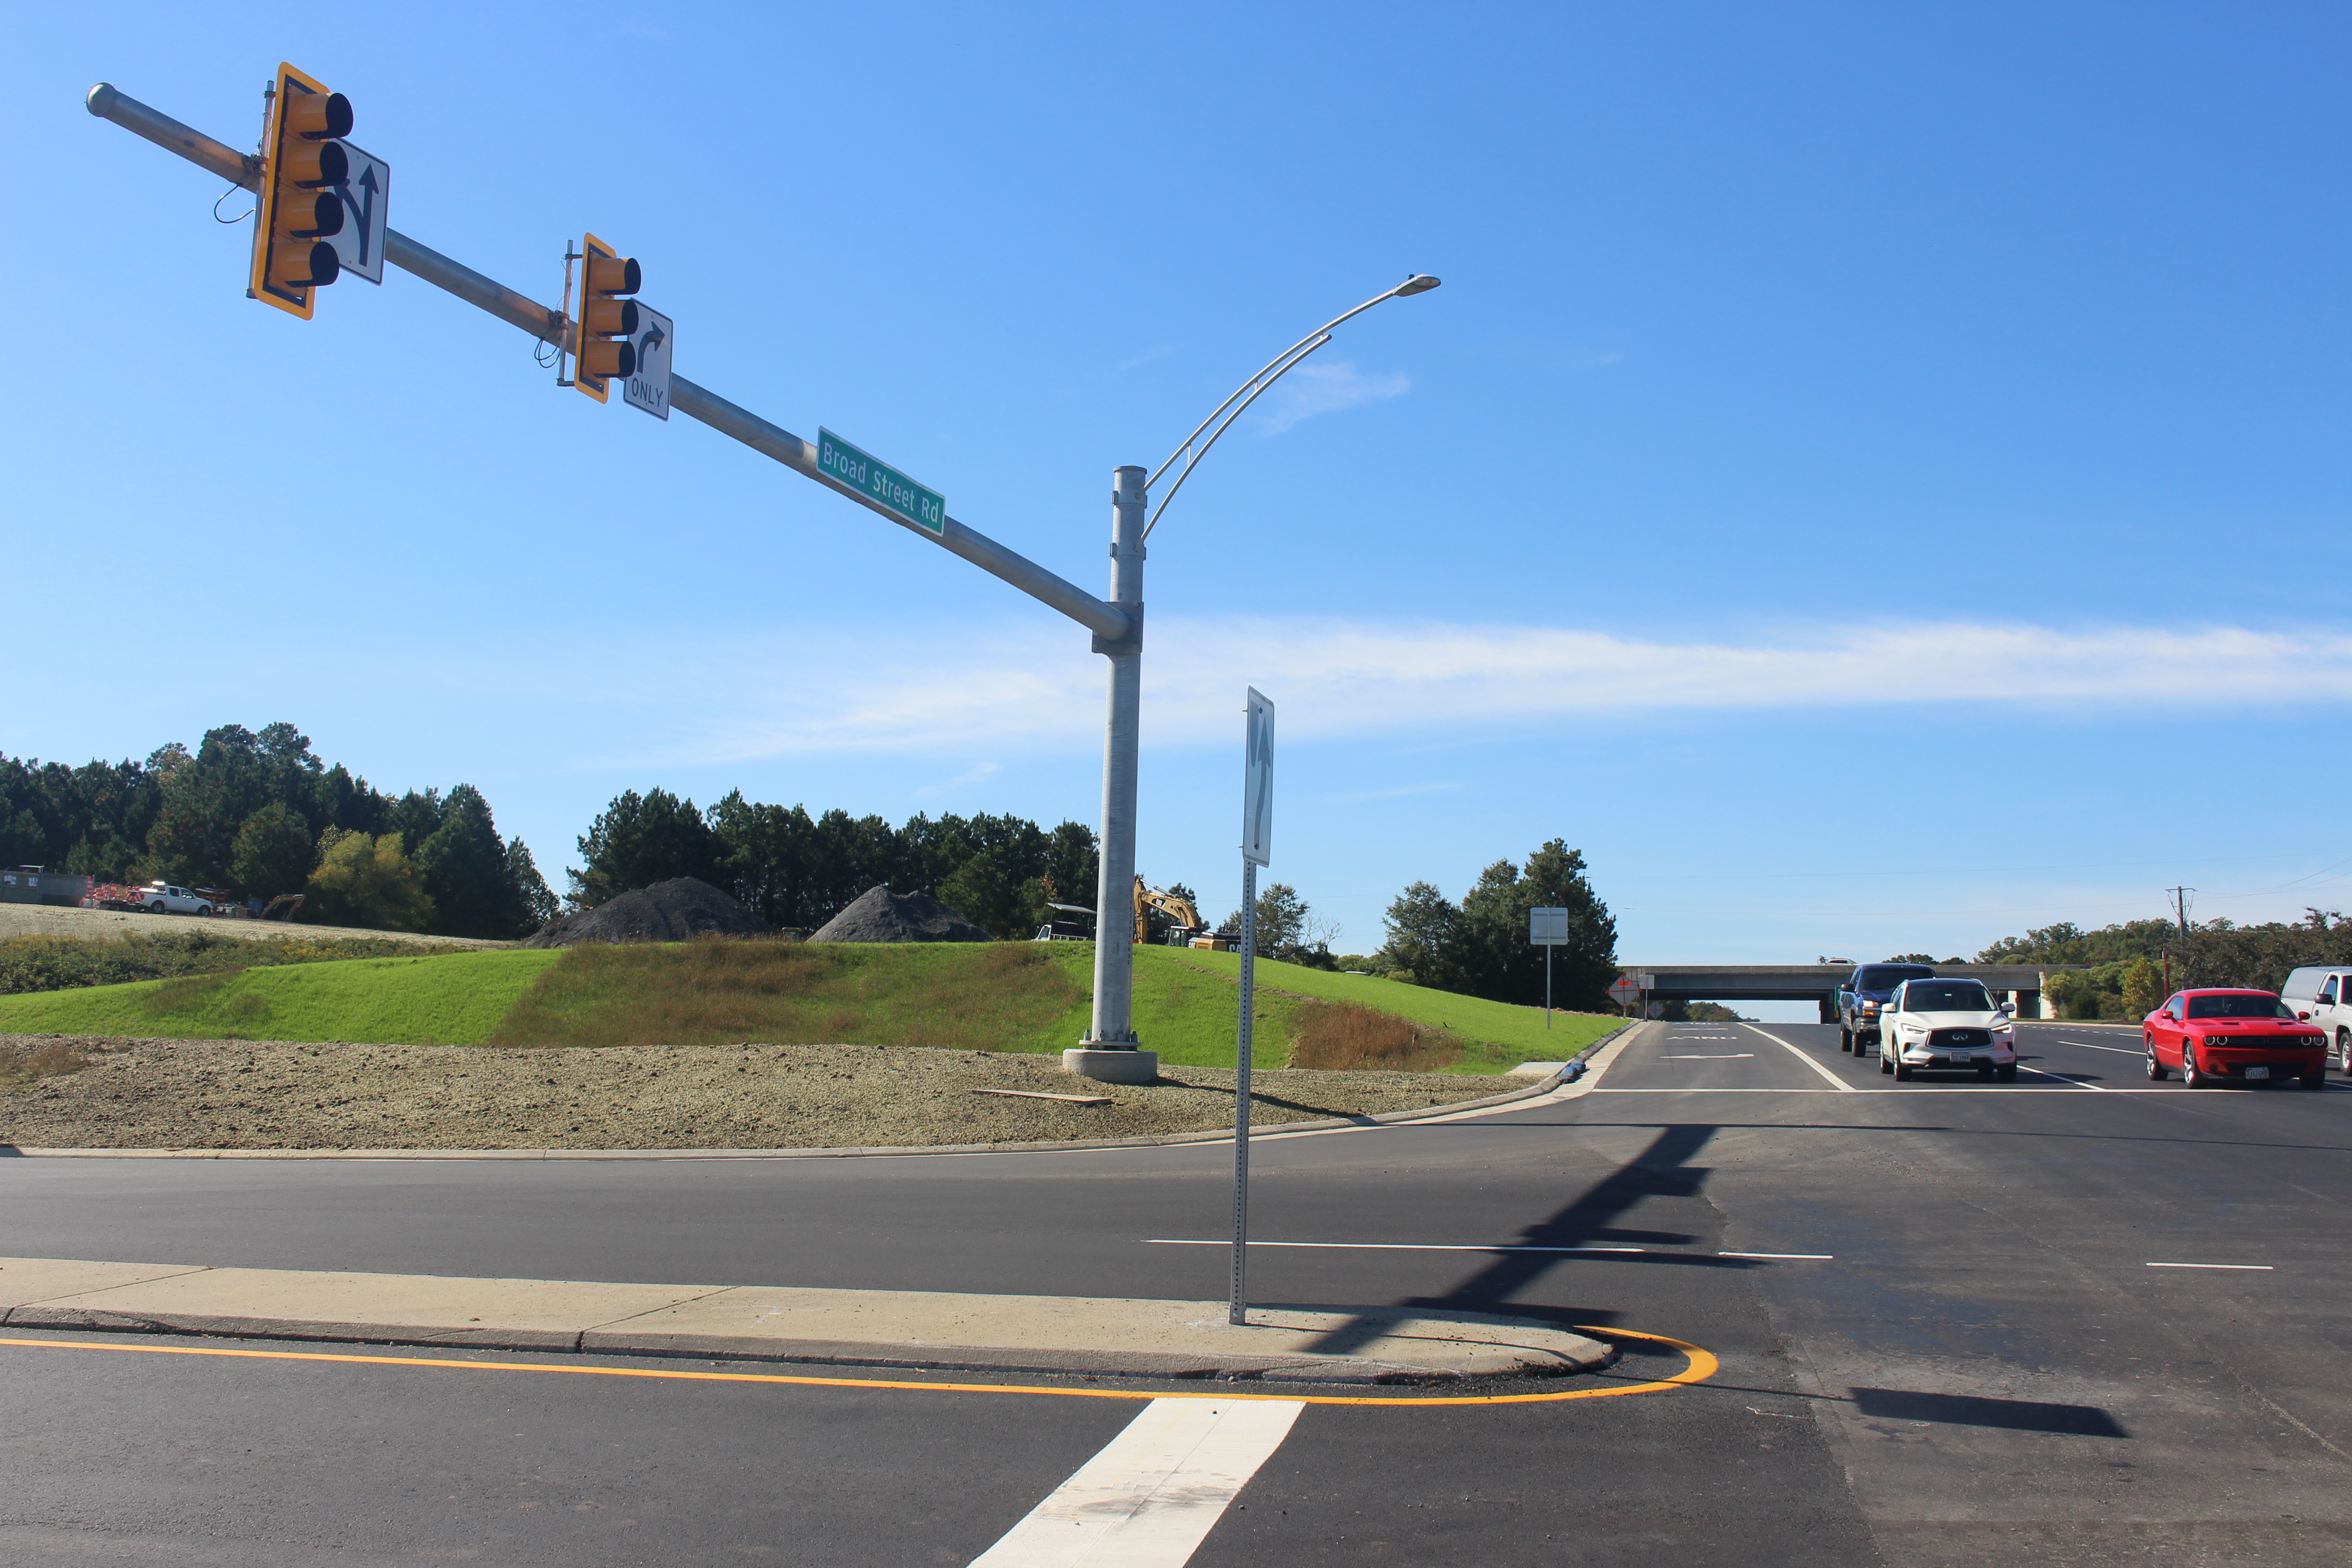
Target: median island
x=84, y=1092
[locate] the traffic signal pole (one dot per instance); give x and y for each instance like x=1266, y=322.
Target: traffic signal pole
x=1116, y=624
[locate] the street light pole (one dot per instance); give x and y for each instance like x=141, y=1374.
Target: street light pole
x=1112, y=1027
x=1113, y=1024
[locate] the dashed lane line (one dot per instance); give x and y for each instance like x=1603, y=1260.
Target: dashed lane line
x=1468, y=1246
x=1835, y=1081
x=2250, y=1267
x=1154, y=1492
x=1728, y=1056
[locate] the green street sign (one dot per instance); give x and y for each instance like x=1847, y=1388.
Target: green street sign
x=879, y=482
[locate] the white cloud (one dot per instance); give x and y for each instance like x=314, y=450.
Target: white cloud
x=1036, y=690
x=1313, y=389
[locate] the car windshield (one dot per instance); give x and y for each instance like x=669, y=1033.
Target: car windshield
x=1887, y=976
x=1946, y=996
x=2239, y=1006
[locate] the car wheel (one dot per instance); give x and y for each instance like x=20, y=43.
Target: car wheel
x=1884, y=1064
x=1984, y=1072
x=2189, y=1072
x=2343, y=1051
x=155, y=908
x=2007, y=1072
x=1845, y=1040
x=2315, y=1079
x=2155, y=1068
x=1903, y=1072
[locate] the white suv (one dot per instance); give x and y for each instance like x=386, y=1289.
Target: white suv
x=2323, y=996
x=1946, y=1024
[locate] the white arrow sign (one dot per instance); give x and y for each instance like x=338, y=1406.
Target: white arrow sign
x=367, y=214
x=648, y=388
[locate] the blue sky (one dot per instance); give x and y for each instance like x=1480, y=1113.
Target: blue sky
x=1874, y=477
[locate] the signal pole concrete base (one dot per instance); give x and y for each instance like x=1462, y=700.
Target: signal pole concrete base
x=1112, y=1067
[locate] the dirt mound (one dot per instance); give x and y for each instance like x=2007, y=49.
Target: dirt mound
x=881, y=915
x=675, y=911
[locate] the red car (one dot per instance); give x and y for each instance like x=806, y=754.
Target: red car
x=2230, y=1036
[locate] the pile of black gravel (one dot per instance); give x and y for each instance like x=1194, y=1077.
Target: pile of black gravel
x=881, y=915
x=676, y=911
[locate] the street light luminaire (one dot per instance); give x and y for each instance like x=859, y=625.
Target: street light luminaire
x=1234, y=407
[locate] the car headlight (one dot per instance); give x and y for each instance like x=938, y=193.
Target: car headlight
x=1908, y=1027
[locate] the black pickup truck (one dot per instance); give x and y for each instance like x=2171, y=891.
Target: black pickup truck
x=1865, y=991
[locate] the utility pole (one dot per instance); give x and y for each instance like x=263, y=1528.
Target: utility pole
x=2180, y=906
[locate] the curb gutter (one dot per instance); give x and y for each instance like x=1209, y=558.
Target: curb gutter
x=1529, y=1360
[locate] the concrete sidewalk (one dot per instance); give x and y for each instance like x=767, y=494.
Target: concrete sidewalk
x=865, y=1328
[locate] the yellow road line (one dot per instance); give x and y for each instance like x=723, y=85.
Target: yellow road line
x=1701, y=1365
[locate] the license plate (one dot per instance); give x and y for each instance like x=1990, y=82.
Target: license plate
x=2258, y=1072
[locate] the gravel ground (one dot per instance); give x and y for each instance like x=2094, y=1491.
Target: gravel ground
x=51, y=919
x=239, y=1094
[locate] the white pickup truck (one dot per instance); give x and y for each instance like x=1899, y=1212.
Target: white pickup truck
x=163, y=899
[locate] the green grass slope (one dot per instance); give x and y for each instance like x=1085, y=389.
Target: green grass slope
x=1009, y=996
x=1003, y=997
x=1500, y=1035
x=447, y=999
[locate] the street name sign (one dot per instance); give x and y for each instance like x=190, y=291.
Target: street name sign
x=367, y=216
x=1547, y=928
x=648, y=387
x=879, y=482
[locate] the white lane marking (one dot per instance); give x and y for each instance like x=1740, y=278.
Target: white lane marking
x=1730, y=1057
x=1154, y=1492
x=2059, y=1078
x=2253, y=1268
x=1835, y=1081
x=1465, y=1247
x=2124, y=1050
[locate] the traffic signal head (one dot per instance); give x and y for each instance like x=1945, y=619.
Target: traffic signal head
x=606, y=317
x=302, y=160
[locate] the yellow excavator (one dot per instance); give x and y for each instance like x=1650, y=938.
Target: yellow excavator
x=1188, y=929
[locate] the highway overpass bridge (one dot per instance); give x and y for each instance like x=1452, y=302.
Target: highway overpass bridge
x=2020, y=984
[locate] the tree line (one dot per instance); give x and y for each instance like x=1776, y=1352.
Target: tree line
x=798, y=870
x=259, y=814
x=1480, y=946
x=2127, y=962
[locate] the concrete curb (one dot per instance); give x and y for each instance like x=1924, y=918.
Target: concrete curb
x=1079, y=1145
x=908, y=1329
x=833, y=1353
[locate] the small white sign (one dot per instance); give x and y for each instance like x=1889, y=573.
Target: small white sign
x=1257, y=782
x=367, y=216
x=1547, y=928
x=648, y=387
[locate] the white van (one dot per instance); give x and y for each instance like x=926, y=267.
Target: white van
x=2322, y=994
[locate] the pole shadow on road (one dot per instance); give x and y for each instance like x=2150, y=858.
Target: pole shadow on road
x=1663, y=1170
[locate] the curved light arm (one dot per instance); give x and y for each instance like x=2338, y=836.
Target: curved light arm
x=1249, y=391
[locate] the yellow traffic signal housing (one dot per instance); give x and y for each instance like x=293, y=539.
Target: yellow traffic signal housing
x=604, y=316
x=302, y=160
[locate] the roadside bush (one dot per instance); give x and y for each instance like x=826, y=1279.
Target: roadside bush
x=1348, y=1037
x=64, y=963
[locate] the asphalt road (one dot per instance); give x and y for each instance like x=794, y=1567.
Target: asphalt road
x=1957, y=1352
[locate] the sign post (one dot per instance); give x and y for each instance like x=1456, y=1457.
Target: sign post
x=1257, y=839
x=1548, y=929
